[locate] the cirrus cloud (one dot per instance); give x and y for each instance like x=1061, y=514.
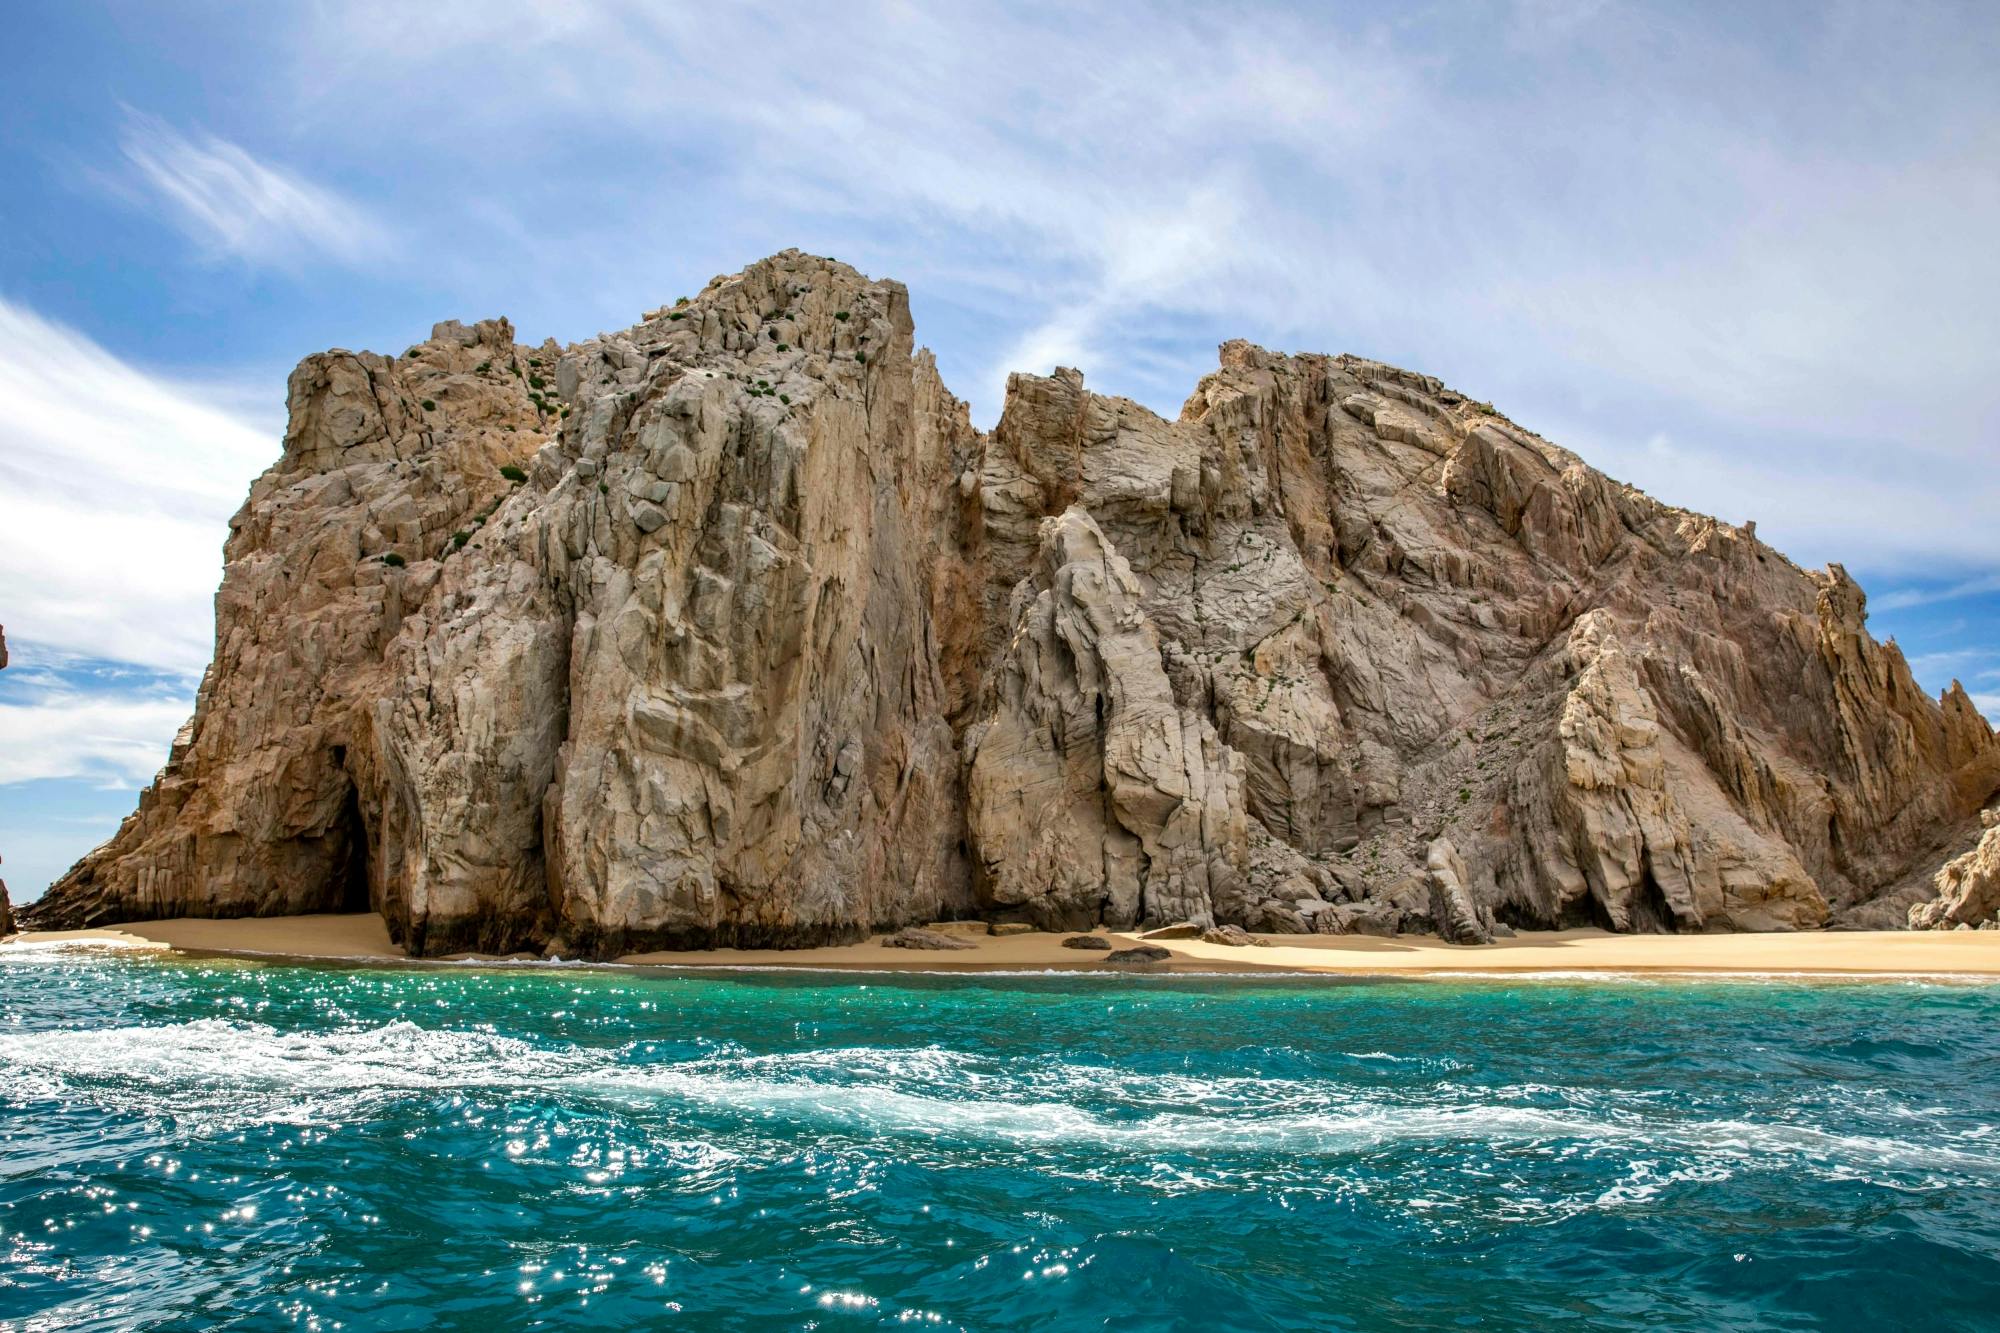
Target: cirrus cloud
x=232, y=204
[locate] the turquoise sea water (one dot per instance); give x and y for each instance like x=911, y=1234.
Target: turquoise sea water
x=195, y=1144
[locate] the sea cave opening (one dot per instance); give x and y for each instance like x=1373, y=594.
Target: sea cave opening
x=348, y=888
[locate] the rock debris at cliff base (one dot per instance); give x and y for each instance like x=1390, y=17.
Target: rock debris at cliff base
x=729, y=629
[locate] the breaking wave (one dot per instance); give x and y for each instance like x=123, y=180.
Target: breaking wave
x=614, y=1147
x=234, y=1073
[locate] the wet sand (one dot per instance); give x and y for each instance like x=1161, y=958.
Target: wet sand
x=1858, y=953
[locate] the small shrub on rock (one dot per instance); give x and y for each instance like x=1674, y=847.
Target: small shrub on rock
x=513, y=474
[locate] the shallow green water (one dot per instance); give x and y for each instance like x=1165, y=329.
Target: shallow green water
x=199, y=1144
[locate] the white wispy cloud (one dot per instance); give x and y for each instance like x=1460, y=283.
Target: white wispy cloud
x=1902, y=598
x=232, y=204
x=116, y=740
x=116, y=488
x=1960, y=662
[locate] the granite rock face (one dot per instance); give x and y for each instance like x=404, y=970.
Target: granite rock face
x=1968, y=886
x=757, y=641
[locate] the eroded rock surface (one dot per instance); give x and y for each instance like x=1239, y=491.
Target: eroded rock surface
x=1968, y=886
x=729, y=628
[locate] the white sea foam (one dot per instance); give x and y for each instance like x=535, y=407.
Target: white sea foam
x=235, y=1072
x=29, y=950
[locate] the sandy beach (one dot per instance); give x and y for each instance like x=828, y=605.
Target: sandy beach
x=362, y=936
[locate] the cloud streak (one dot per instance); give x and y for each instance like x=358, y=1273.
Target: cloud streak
x=1900, y=599
x=118, y=741
x=231, y=204
x=116, y=488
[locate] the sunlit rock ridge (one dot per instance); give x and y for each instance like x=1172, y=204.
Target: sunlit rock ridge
x=730, y=629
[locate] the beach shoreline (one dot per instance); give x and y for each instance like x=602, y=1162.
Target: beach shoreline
x=362, y=938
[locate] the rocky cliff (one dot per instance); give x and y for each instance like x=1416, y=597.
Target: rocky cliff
x=730, y=629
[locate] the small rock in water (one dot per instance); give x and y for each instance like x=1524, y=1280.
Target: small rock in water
x=1143, y=955
x=1234, y=936
x=916, y=937
x=1086, y=942
x=1181, y=930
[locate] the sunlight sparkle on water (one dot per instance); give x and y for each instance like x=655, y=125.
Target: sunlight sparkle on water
x=971, y=1153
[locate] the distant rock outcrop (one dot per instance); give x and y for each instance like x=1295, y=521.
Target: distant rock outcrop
x=730, y=629
x=916, y=937
x=1968, y=886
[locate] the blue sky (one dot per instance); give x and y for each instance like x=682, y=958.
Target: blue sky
x=1741, y=256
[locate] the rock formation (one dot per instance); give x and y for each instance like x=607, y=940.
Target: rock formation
x=1968, y=886
x=730, y=629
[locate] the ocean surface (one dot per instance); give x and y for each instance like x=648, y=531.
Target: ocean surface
x=194, y=1144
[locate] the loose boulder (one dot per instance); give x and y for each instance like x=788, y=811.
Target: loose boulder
x=1143, y=955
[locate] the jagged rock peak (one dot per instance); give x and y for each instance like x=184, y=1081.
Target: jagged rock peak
x=730, y=628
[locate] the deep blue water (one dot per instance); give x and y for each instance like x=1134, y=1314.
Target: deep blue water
x=195, y=1144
